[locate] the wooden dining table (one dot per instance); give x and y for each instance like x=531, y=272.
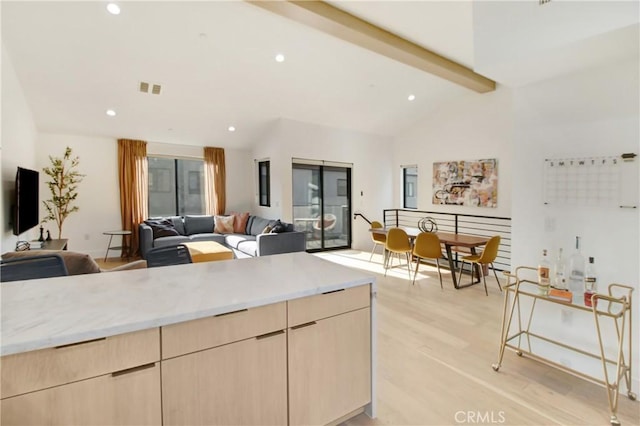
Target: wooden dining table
x=449, y=240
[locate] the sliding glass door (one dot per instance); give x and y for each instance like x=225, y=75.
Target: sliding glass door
x=322, y=205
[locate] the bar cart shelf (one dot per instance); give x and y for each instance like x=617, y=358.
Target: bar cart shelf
x=615, y=306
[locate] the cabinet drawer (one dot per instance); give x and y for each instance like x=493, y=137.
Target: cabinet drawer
x=123, y=398
x=327, y=304
x=205, y=333
x=30, y=371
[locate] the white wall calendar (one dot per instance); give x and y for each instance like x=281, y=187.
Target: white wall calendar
x=592, y=181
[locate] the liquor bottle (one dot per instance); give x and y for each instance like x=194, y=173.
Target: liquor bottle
x=544, y=278
x=559, y=271
x=576, y=263
x=590, y=282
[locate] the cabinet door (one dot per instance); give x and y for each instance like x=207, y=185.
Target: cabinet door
x=329, y=368
x=243, y=383
x=130, y=397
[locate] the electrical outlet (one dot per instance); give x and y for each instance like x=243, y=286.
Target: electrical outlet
x=566, y=316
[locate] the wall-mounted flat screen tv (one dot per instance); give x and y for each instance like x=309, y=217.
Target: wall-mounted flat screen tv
x=27, y=201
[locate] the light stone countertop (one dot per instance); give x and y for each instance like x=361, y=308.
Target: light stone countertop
x=44, y=313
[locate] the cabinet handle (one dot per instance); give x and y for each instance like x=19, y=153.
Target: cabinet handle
x=133, y=369
x=267, y=335
x=231, y=313
x=333, y=291
x=308, y=324
x=80, y=343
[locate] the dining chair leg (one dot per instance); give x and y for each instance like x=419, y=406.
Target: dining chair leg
x=387, y=255
x=439, y=273
x=415, y=274
x=408, y=255
x=484, y=280
x=496, y=275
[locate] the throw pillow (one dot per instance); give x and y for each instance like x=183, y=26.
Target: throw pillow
x=278, y=227
x=224, y=224
x=240, y=222
x=161, y=228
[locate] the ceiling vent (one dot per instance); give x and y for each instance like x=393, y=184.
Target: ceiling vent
x=152, y=88
x=543, y=2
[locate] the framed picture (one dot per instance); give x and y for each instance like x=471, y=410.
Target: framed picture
x=466, y=183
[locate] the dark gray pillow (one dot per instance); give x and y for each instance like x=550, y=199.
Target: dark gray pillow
x=178, y=223
x=198, y=224
x=278, y=227
x=161, y=228
x=258, y=224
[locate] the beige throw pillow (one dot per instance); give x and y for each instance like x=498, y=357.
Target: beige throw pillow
x=223, y=224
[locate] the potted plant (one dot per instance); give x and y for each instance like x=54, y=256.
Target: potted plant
x=63, y=184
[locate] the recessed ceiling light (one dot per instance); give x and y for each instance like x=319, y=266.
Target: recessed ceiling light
x=411, y=97
x=279, y=57
x=113, y=9
x=111, y=113
x=231, y=129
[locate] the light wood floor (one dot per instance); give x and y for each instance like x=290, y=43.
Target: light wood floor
x=435, y=350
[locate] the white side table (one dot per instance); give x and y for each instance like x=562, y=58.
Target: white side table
x=125, y=245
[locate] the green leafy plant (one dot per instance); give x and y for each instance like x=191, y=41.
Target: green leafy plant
x=63, y=185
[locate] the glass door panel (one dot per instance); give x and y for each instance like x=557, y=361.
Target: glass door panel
x=322, y=205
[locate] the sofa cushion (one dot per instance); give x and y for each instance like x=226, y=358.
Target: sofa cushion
x=161, y=228
x=278, y=227
x=198, y=224
x=249, y=247
x=240, y=222
x=258, y=224
x=178, y=223
x=170, y=241
x=224, y=224
x=234, y=240
x=218, y=238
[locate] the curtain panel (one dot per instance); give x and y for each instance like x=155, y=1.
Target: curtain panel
x=134, y=195
x=214, y=180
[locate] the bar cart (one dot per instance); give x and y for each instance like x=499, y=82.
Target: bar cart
x=615, y=306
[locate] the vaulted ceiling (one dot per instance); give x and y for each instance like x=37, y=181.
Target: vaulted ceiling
x=215, y=62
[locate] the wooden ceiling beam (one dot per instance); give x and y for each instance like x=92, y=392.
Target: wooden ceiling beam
x=338, y=23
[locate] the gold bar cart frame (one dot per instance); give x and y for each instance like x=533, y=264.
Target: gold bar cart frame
x=617, y=308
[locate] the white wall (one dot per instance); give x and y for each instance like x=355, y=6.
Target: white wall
x=476, y=126
x=18, y=147
x=369, y=155
x=592, y=113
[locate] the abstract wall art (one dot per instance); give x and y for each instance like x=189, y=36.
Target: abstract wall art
x=466, y=183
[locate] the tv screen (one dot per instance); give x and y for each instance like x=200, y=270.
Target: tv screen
x=27, y=202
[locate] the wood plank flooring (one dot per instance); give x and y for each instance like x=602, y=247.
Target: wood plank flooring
x=435, y=350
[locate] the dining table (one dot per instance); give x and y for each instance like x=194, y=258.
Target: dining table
x=449, y=240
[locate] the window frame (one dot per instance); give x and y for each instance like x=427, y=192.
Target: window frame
x=409, y=188
x=264, y=188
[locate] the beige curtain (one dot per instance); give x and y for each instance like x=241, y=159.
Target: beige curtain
x=132, y=170
x=214, y=180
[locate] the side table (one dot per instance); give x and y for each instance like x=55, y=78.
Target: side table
x=124, y=246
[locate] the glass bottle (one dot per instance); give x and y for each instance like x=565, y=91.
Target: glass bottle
x=559, y=271
x=544, y=278
x=590, y=282
x=576, y=263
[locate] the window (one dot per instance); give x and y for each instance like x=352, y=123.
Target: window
x=176, y=186
x=264, y=185
x=410, y=187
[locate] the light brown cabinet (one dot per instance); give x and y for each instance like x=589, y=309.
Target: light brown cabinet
x=329, y=368
x=112, y=381
x=242, y=383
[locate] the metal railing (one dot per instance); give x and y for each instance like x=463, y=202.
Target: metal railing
x=484, y=226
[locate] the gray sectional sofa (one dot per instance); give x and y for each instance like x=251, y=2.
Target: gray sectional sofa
x=160, y=232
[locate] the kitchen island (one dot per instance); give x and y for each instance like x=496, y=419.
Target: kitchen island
x=284, y=339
